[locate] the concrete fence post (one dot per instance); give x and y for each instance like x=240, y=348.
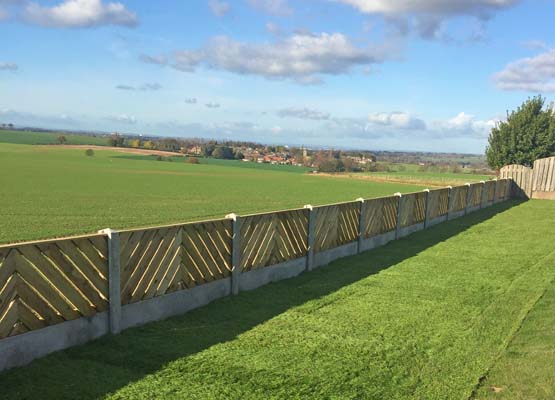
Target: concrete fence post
x=114, y=278
x=399, y=206
x=468, y=193
x=310, y=237
x=427, y=209
x=361, y=220
x=449, y=201
x=235, y=253
x=495, y=191
x=484, y=194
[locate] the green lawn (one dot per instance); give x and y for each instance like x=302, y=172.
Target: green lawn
x=425, y=317
x=24, y=137
x=51, y=191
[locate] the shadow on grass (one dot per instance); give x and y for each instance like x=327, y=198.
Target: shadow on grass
x=103, y=366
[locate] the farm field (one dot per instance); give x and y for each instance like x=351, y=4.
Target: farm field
x=23, y=137
x=434, y=315
x=49, y=191
x=412, y=173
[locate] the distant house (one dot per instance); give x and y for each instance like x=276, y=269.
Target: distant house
x=194, y=150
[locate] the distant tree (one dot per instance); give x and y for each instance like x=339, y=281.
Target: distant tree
x=149, y=144
x=192, y=160
x=223, y=152
x=116, y=140
x=208, y=149
x=528, y=134
x=61, y=139
x=135, y=143
x=239, y=155
x=89, y=152
x=332, y=165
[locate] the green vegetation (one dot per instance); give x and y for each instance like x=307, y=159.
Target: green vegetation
x=24, y=137
x=433, y=174
x=527, y=135
x=53, y=191
x=425, y=317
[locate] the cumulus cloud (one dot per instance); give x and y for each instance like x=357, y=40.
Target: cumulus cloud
x=399, y=120
x=147, y=87
x=219, y=8
x=191, y=100
x=300, y=57
x=212, y=105
x=302, y=113
x=530, y=74
x=8, y=66
x=429, y=15
x=159, y=60
x=464, y=125
x=273, y=7
x=123, y=119
x=80, y=14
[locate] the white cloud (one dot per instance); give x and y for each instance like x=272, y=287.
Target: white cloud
x=123, y=119
x=429, y=15
x=273, y=28
x=399, y=120
x=531, y=74
x=481, y=8
x=191, y=100
x=212, y=105
x=302, y=113
x=80, y=14
x=273, y=7
x=8, y=66
x=146, y=87
x=300, y=57
x=464, y=124
x=219, y=8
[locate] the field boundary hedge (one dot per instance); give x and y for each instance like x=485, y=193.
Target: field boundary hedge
x=59, y=293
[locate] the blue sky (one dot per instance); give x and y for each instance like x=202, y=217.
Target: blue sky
x=432, y=75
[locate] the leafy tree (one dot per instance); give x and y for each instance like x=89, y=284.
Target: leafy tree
x=528, y=134
x=239, y=155
x=89, y=152
x=223, y=152
x=62, y=139
x=116, y=140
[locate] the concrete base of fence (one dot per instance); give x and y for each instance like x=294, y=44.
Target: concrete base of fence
x=260, y=277
x=327, y=256
x=377, y=241
x=436, y=220
x=20, y=350
x=487, y=204
x=543, y=195
x=172, y=304
x=472, y=209
x=407, y=230
x=456, y=214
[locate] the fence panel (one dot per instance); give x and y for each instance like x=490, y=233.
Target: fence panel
x=269, y=239
x=413, y=208
x=50, y=282
x=489, y=188
x=458, y=198
x=475, y=195
x=438, y=203
x=522, y=178
x=381, y=216
x=336, y=225
x=501, y=190
x=162, y=260
x=543, y=181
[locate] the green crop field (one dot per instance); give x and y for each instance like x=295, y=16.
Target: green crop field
x=51, y=191
x=452, y=312
x=413, y=172
x=25, y=137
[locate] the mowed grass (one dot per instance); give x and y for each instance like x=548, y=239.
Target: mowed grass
x=425, y=317
x=25, y=137
x=50, y=192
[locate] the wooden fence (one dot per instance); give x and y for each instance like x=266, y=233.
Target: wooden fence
x=536, y=183
x=52, y=282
